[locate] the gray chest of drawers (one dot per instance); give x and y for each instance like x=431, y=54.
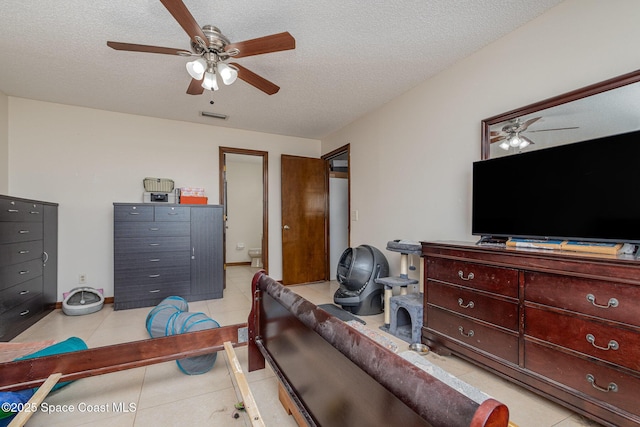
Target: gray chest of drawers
x=163, y=250
x=28, y=263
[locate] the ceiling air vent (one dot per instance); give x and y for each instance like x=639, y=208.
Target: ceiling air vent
x=214, y=115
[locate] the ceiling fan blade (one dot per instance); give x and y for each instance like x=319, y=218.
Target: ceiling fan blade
x=195, y=87
x=528, y=123
x=144, y=48
x=546, y=130
x=267, y=44
x=186, y=20
x=255, y=80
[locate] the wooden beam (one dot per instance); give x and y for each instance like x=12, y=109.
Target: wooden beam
x=249, y=402
x=31, y=373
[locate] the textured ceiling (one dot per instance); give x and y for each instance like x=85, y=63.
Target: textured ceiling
x=350, y=57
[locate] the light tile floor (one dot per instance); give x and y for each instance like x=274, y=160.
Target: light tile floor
x=161, y=395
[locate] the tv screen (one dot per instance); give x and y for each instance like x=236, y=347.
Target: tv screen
x=586, y=191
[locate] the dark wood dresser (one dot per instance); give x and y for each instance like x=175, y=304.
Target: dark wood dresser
x=565, y=325
x=167, y=249
x=28, y=263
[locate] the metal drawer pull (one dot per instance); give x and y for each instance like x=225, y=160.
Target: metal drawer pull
x=45, y=257
x=153, y=276
x=612, y=302
x=23, y=231
x=461, y=275
x=468, y=305
x=613, y=344
x=34, y=213
x=469, y=334
x=13, y=210
x=24, y=272
x=612, y=386
x=155, y=291
x=24, y=292
x=23, y=252
x=24, y=313
x=134, y=213
x=154, y=260
x=154, y=229
x=154, y=244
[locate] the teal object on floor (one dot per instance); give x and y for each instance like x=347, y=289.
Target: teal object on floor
x=67, y=346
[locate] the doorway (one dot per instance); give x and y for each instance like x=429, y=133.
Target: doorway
x=339, y=228
x=244, y=195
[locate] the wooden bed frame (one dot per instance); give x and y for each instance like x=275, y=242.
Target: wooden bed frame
x=337, y=376
x=334, y=375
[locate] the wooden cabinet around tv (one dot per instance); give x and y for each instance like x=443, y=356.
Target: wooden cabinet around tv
x=565, y=325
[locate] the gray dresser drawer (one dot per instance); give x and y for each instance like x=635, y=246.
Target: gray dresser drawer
x=172, y=213
x=133, y=213
x=14, y=253
x=20, y=294
x=19, y=273
x=19, y=210
x=152, y=245
x=147, y=295
x=18, y=318
x=151, y=229
x=11, y=232
x=160, y=276
x=148, y=261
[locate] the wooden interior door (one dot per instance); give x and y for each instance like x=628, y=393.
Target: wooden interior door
x=304, y=220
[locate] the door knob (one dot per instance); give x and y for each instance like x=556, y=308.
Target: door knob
x=286, y=227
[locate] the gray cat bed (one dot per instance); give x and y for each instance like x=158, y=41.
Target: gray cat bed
x=83, y=300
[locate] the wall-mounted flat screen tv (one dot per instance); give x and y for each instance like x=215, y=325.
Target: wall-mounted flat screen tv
x=588, y=191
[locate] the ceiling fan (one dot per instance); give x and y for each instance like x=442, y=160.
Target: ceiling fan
x=213, y=49
x=511, y=133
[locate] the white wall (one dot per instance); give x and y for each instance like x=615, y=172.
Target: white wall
x=87, y=159
x=411, y=160
x=244, y=204
x=4, y=143
x=338, y=222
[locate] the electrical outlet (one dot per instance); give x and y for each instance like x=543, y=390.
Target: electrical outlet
x=82, y=278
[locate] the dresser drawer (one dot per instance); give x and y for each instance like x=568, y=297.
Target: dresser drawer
x=480, y=306
x=152, y=245
x=154, y=275
x=20, y=293
x=19, y=273
x=474, y=334
x=140, y=291
x=172, y=213
x=17, y=210
x=598, y=298
x=616, y=345
x=11, y=232
x=133, y=213
x=16, y=318
x=14, y=253
x=146, y=261
x=488, y=278
x=151, y=229
x=597, y=381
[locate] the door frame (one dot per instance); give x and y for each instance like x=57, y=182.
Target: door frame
x=265, y=195
x=327, y=158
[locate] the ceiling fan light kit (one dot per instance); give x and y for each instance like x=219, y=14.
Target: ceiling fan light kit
x=197, y=68
x=212, y=49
